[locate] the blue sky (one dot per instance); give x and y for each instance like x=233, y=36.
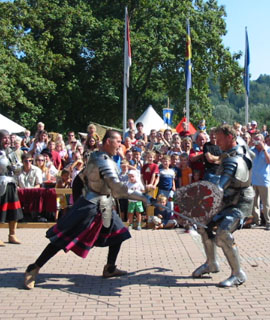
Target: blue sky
x=253, y=14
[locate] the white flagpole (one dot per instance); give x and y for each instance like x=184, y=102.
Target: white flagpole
x=125, y=77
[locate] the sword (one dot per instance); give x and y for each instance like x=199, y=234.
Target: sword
x=180, y=215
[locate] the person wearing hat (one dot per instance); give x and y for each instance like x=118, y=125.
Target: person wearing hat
x=253, y=129
x=49, y=163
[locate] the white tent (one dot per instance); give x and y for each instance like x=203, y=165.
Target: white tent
x=9, y=125
x=151, y=120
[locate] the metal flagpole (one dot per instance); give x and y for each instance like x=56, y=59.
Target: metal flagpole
x=188, y=71
x=246, y=75
x=246, y=109
x=125, y=77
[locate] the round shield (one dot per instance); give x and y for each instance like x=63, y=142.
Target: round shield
x=200, y=200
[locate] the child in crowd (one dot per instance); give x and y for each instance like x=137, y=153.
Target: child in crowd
x=150, y=172
x=166, y=185
x=163, y=218
x=196, y=175
x=137, y=158
x=135, y=184
x=175, y=162
x=186, y=171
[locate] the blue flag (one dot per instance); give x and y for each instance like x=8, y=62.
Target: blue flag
x=246, y=72
x=188, y=59
x=167, y=116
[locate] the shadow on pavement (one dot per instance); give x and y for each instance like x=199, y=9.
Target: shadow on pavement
x=96, y=285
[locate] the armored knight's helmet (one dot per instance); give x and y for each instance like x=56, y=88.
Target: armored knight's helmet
x=4, y=163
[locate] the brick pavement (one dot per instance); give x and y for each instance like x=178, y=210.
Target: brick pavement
x=159, y=285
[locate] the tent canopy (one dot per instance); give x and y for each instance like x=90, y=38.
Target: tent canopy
x=9, y=125
x=151, y=120
x=179, y=128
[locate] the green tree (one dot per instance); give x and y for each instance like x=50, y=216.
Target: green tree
x=64, y=59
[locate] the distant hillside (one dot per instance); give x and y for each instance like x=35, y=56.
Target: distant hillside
x=232, y=108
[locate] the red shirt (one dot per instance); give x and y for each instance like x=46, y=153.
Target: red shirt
x=56, y=159
x=199, y=164
x=148, y=170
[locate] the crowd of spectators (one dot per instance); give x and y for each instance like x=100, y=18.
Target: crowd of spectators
x=157, y=163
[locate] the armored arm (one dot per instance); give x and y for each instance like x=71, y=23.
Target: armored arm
x=109, y=173
x=229, y=166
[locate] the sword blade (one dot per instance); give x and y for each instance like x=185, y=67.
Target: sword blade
x=182, y=216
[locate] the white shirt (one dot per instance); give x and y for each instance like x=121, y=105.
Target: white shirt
x=30, y=179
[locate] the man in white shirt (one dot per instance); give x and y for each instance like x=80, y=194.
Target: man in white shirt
x=30, y=176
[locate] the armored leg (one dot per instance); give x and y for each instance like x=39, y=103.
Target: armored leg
x=211, y=264
x=225, y=240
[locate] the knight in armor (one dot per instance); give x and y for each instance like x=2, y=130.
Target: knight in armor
x=10, y=206
x=235, y=177
x=92, y=221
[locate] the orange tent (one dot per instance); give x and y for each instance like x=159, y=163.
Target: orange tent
x=179, y=128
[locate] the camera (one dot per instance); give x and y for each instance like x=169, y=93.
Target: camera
x=255, y=142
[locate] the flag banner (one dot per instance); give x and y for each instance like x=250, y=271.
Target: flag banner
x=188, y=59
x=127, y=48
x=246, y=71
x=167, y=115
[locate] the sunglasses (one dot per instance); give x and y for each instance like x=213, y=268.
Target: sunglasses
x=27, y=160
x=40, y=160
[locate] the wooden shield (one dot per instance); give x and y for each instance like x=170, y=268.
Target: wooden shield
x=199, y=200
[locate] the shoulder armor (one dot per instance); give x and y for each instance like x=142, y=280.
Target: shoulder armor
x=241, y=168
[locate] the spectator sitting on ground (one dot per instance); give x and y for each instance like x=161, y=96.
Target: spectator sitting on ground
x=30, y=175
x=163, y=218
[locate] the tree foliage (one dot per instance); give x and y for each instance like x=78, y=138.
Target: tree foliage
x=62, y=60
x=232, y=108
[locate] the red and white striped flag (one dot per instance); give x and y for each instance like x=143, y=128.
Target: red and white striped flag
x=127, y=48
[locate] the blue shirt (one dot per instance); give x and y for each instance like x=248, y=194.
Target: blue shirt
x=260, y=169
x=166, y=177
